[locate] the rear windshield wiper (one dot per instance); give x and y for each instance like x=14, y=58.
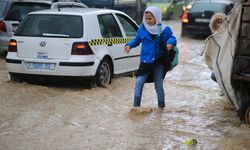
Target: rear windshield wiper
x=55, y=35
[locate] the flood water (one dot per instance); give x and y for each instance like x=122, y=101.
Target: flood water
x=45, y=117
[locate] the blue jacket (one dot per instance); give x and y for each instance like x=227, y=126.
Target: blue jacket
x=150, y=49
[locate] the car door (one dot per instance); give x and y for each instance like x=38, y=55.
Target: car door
x=130, y=30
x=112, y=36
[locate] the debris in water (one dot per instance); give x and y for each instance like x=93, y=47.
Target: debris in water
x=190, y=142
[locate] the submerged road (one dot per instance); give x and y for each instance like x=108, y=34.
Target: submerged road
x=44, y=117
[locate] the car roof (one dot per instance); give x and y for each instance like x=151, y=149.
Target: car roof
x=79, y=11
x=50, y=3
x=44, y=1
x=53, y=3
x=31, y=1
x=5, y=0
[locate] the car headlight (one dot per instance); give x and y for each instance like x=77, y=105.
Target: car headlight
x=164, y=9
x=189, y=6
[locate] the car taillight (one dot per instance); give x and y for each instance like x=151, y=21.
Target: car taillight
x=81, y=48
x=12, y=46
x=3, y=26
x=184, y=18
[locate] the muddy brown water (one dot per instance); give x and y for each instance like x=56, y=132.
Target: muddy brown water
x=39, y=117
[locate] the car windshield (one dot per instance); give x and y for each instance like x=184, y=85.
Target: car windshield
x=64, y=26
x=160, y=1
x=19, y=10
x=201, y=7
x=3, y=5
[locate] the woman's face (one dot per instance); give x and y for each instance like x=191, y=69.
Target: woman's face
x=150, y=19
x=218, y=23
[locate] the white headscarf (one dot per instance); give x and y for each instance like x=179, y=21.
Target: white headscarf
x=212, y=24
x=156, y=12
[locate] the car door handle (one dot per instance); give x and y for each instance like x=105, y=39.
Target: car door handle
x=110, y=44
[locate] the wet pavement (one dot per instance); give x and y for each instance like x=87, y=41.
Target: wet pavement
x=39, y=117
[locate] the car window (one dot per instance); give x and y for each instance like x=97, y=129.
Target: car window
x=69, y=5
x=3, y=5
x=201, y=7
x=108, y=26
x=19, y=10
x=129, y=27
x=66, y=26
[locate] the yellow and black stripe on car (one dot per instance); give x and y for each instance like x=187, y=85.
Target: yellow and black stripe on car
x=109, y=41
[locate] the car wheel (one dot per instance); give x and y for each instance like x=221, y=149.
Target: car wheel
x=247, y=115
x=15, y=78
x=244, y=112
x=104, y=74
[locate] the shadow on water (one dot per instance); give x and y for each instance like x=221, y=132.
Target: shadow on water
x=64, y=82
x=3, y=55
x=58, y=82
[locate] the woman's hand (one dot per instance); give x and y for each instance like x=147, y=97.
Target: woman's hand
x=127, y=49
x=169, y=47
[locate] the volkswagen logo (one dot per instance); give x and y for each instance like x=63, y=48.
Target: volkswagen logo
x=42, y=43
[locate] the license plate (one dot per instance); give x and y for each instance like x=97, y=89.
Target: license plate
x=40, y=66
x=202, y=20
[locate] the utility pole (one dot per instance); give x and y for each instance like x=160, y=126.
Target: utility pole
x=138, y=11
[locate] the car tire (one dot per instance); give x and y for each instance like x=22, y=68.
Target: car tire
x=104, y=73
x=244, y=112
x=247, y=115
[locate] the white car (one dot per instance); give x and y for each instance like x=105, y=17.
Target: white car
x=18, y=9
x=73, y=42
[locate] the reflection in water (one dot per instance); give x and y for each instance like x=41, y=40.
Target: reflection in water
x=55, y=117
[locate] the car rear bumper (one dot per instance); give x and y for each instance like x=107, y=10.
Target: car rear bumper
x=73, y=67
x=196, y=30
